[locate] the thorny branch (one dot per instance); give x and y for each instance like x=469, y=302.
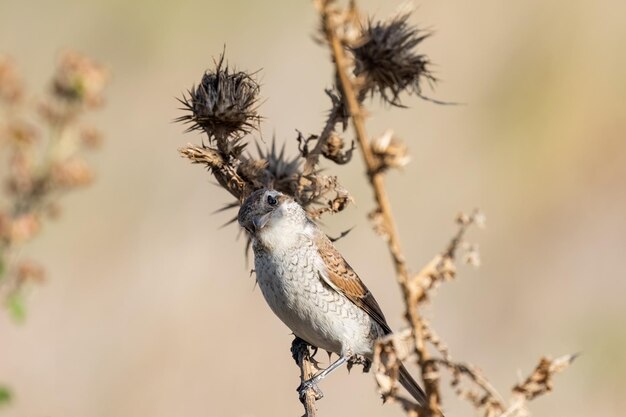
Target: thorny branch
x=334, y=117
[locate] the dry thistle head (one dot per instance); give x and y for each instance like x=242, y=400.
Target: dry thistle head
x=224, y=105
x=274, y=169
x=387, y=61
x=280, y=172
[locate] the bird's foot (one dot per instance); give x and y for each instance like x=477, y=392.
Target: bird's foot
x=359, y=360
x=299, y=348
x=309, y=386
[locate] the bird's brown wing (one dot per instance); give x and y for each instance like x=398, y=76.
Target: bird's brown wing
x=341, y=277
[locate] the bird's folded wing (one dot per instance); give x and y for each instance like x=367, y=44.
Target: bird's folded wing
x=340, y=276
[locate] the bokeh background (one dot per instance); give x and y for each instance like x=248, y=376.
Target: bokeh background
x=150, y=310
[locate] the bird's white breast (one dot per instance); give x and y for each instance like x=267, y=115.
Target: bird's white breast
x=288, y=276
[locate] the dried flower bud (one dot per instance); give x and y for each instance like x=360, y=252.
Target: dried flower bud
x=333, y=150
x=28, y=271
x=472, y=254
x=20, y=180
x=477, y=217
x=540, y=381
x=23, y=228
x=378, y=223
x=79, y=80
x=20, y=133
x=11, y=89
x=315, y=191
x=386, y=369
x=90, y=137
x=53, y=210
x=390, y=151
x=71, y=173
x=224, y=105
x=387, y=61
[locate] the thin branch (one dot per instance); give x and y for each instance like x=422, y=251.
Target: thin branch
x=225, y=174
x=302, y=355
x=313, y=157
x=477, y=378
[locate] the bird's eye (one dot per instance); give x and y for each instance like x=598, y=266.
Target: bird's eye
x=271, y=200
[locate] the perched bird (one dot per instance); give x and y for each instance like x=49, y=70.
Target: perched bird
x=310, y=286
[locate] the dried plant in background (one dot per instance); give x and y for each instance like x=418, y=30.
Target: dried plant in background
x=371, y=59
x=43, y=145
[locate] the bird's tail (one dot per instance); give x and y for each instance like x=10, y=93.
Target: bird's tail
x=411, y=386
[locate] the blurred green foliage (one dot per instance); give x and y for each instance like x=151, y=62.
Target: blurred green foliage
x=5, y=395
x=16, y=307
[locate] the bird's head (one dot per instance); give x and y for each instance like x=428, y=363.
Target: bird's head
x=267, y=209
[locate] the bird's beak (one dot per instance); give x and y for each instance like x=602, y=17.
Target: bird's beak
x=261, y=221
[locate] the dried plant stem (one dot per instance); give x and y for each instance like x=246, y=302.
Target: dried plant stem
x=225, y=174
x=309, y=396
x=302, y=355
x=375, y=176
x=476, y=377
x=313, y=157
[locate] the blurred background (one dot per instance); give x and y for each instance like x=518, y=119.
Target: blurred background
x=149, y=308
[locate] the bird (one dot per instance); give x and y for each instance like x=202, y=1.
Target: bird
x=309, y=285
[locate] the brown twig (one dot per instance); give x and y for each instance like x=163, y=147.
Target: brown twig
x=313, y=156
x=491, y=395
x=302, y=355
x=225, y=174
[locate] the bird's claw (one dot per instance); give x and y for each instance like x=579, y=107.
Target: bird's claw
x=359, y=360
x=311, y=386
x=299, y=348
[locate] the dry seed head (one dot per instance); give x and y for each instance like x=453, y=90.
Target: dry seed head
x=334, y=145
x=73, y=172
x=317, y=193
x=28, y=271
x=21, y=173
x=224, y=104
x=334, y=150
x=90, y=137
x=19, y=133
x=79, y=80
x=387, y=61
x=281, y=172
x=22, y=228
x=391, y=151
